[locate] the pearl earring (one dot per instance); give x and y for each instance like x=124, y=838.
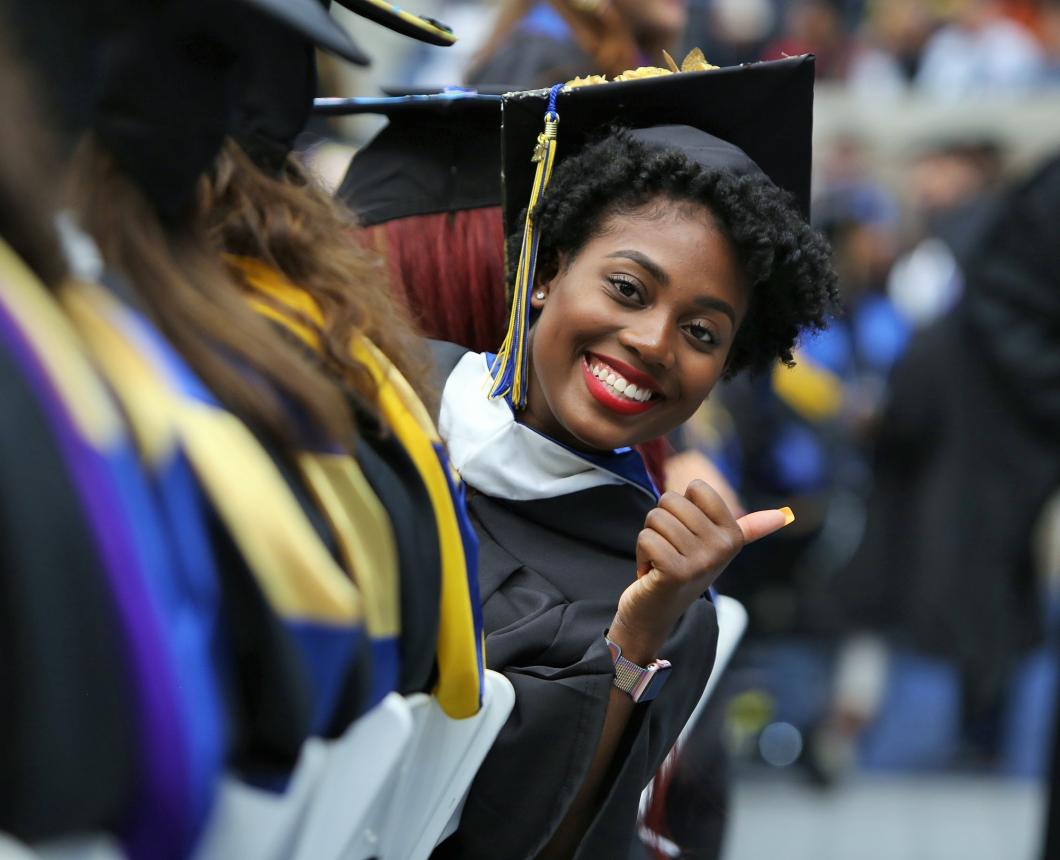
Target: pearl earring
x=540, y=294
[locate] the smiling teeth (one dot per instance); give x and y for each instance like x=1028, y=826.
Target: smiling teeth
x=618, y=385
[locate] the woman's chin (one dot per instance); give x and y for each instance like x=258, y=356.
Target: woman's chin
x=594, y=435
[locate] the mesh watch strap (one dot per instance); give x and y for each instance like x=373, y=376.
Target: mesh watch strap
x=627, y=674
x=636, y=680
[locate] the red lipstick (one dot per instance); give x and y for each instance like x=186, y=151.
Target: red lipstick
x=605, y=397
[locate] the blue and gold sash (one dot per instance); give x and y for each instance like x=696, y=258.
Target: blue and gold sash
x=459, y=647
x=152, y=550
x=167, y=407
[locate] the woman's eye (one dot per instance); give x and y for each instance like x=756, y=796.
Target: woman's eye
x=626, y=289
x=701, y=333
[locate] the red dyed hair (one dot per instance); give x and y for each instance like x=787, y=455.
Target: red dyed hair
x=448, y=270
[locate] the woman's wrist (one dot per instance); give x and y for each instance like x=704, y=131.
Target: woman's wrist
x=638, y=644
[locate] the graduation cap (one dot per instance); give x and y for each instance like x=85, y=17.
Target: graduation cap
x=281, y=80
x=755, y=118
x=439, y=152
x=420, y=27
x=165, y=77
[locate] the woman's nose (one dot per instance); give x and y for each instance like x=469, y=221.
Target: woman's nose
x=651, y=338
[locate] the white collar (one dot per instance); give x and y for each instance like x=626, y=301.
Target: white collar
x=500, y=457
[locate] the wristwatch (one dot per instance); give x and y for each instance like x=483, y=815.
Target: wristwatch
x=641, y=682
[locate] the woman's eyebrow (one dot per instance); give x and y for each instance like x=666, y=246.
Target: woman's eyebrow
x=712, y=303
x=646, y=263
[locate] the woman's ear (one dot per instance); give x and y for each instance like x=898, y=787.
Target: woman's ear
x=543, y=280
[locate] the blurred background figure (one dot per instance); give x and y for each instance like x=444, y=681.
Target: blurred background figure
x=951, y=190
x=731, y=31
x=536, y=43
x=980, y=50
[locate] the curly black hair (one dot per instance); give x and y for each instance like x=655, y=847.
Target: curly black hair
x=787, y=262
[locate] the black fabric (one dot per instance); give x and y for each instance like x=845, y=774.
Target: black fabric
x=280, y=81
x=281, y=78
x=436, y=154
x=67, y=739
x=551, y=573
x=277, y=97
x=968, y=456
x=444, y=358
x=167, y=86
x=704, y=149
x=401, y=491
x=764, y=109
x=268, y=695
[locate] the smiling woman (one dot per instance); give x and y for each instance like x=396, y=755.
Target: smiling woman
x=659, y=259
x=642, y=319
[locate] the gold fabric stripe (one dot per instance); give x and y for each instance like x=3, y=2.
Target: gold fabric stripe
x=364, y=533
x=59, y=350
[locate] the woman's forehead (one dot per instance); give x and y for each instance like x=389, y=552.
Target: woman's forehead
x=682, y=249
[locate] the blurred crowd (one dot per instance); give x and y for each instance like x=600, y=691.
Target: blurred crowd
x=946, y=49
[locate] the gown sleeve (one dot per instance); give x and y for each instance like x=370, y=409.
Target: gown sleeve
x=552, y=650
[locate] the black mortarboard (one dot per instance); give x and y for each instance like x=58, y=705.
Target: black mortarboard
x=756, y=118
x=763, y=109
x=439, y=152
x=278, y=95
x=168, y=75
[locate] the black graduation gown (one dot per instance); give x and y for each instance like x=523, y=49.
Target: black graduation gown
x=67, y=745
x=551, y=572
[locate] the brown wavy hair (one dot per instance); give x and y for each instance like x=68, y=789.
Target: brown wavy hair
x=28, y=184
x=176, y=273
x=291, y=224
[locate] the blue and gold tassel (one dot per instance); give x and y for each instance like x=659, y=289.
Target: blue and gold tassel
x=509, y=369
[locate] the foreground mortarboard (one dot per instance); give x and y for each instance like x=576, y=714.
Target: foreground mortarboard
x=439, y=152
x=755, y=118
x=401, y=21
x=281, y=81
x=72, y=44
x=164, y=78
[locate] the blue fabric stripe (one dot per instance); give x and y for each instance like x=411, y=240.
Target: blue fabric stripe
x=177, y=553
x=386, y=662
x=197, y=627
x=326, y=652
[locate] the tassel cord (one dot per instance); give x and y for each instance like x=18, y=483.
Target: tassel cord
x=512, y=363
